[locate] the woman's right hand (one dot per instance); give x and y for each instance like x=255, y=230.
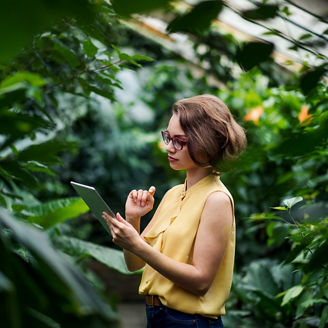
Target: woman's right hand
x=139, y=203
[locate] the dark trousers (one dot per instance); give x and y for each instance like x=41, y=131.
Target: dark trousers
x=164, y=317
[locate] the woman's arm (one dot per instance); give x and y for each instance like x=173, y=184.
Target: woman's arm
x=210, y=244
x=133, y=262
x=138, y=204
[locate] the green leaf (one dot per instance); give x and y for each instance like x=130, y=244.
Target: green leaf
x=324, y=317
x=46, y=152
x=38, y=167
x=272, y=32
x=63, y=279
x=128, y=7
x=31, y=78
x=198, y=19
x=77, y=248
x=259, y=278
x=42, y=15
x=142, y=57
x=3, y=202
x=66, y=53
x=302, y=142
x=263, y=12
x=16, y=125
x=309, y=302
x=12, y=94
x=318, y=258
x=265, y=216
x=305, y=36
x=292, y=293
x=277, y=233
x=16, y=171
x=286, y=11
x=128, y=58
x=253, y=53
x=290, y=202
x=280, y=208
x=310, y=79
x=89, y=48
x=19, y=207
x=45, y=320
x=53, y=212
x=5, y=284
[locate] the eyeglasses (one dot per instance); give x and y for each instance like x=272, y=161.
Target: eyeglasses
x=177, y=142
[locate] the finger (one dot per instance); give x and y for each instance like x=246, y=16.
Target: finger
x=150, y=199
x=152, y=190
x=144, y=197
x=111, y=228
x=140, y=193
x=108, y=219
x=120, y=219
x=106, y=215
x=134, y=195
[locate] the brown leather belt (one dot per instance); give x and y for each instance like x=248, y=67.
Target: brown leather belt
x=153, y=300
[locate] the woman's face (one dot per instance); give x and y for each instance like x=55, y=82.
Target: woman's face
x=179, y=159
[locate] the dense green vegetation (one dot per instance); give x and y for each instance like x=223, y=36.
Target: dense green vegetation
x=63, y=118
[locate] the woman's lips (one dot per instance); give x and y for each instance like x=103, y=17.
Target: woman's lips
x=171, y=159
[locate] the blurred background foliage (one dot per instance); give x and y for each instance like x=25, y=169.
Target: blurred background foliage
x=83, y=97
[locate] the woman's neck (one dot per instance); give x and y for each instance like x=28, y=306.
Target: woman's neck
x=196, y=174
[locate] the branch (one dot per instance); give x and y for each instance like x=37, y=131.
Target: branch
x=293, y=22
x=307, y=11
x=297, y=43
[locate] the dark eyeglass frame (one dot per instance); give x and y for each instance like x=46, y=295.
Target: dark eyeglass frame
x=177, y=142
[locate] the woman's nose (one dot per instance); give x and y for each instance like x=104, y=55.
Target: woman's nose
x=169, y=147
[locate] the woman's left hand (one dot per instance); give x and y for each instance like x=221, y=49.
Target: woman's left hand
x=123, y=233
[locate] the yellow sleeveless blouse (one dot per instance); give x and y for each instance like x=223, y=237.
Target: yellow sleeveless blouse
x=173, y=234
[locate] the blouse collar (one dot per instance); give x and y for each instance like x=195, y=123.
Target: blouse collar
x=202, y=181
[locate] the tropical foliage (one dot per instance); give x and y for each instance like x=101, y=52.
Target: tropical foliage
x=63, y=117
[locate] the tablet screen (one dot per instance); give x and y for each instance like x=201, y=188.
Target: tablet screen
x=94, y=201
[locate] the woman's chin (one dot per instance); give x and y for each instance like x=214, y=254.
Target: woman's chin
x=175, y=166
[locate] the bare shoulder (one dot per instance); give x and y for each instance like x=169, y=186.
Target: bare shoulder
x=218, y=206
x=218, y=199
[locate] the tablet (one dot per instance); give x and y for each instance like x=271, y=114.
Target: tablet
x=94, y=201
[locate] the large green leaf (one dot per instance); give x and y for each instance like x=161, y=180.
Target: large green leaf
x=53, y=212
x=253, y=53
x=46, y=152
x=71, y=292
x=17, y=125
x=11, y=169
x=263, y=12
x=20, y=20
x=259, y=278
x=77, y=248
x=310, y=79
x=198, y=19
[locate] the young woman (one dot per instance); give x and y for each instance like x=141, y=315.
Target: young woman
x=188, y=247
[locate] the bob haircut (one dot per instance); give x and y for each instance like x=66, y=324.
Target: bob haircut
x=213, y=136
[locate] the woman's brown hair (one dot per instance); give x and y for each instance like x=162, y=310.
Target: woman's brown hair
x=214, y=137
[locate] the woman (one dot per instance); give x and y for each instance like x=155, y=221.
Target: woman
x=188, y=247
